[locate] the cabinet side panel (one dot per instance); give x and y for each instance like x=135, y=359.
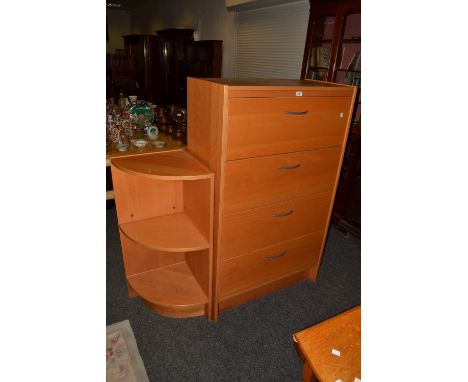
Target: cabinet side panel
x=314, y=271
x=138, y=198
x=205, y=113
x=206, y=129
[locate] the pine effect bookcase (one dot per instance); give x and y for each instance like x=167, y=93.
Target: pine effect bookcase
x=164, y=205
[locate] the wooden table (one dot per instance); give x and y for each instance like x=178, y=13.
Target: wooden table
x=171, y=144
x=340, y=335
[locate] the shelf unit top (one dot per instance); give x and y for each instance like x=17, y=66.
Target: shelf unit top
x=169, y=233
x=169, y=165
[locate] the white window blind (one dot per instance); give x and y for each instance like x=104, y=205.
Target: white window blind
x=270, y=41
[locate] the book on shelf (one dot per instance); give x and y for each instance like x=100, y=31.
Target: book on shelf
x=320, y=56
x=324, y=57
x=355, y=63
x=321, y=76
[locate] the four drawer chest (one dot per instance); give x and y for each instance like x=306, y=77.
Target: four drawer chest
x=275, y=148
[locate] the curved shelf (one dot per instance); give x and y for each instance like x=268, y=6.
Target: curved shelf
x=170, y=165
x=169, y=233
x=171, y=291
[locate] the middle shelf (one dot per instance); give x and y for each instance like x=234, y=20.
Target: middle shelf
x=170, y=233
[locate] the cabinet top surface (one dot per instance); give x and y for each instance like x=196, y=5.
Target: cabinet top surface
x=272, y=82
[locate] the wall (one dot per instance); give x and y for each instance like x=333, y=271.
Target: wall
x=210, y=19
x=118, y=24
x=244, y=5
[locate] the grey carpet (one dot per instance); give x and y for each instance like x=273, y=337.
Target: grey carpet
x=252, y=342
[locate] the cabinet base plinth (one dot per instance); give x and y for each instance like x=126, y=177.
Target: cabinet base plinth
x=251, y=294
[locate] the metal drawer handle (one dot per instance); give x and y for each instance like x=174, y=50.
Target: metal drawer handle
x=289, y=167
x=296, y=112
x=277, y=256
x=282, y=215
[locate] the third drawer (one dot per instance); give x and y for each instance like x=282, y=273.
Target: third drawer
x=259, y=267
x=256, y=228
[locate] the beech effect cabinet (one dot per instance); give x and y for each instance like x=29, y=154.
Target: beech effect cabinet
x=275, y=148
x=245, y=209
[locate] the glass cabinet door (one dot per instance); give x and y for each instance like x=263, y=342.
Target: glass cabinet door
x=348, y=65
x=321, y=47
x=332, y=53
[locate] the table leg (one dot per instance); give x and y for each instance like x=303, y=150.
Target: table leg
x=307, y=374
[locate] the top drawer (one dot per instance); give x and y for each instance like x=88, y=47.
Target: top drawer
x=265, y=126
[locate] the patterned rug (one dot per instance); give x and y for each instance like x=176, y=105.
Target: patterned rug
x=123, y=360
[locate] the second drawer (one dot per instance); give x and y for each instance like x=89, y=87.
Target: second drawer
x=255, y=268
x=256, y=228
x=266, y=180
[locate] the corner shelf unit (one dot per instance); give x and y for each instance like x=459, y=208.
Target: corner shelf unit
x=164, y=207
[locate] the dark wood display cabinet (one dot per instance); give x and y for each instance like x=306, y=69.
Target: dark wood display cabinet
x=155, y=67
x=181, y=57
x=143, y=50
x=205, y=58
x=173, y=63
x=333, y=54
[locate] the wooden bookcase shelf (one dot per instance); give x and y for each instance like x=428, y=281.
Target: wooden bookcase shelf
x=164, y=205
x=173, y=289
x=176, y=233
x=170, y=165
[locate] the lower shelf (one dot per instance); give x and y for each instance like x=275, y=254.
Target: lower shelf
x=172, y=291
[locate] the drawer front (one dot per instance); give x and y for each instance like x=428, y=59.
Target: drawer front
x=259, y=267
x=255, y=182
x=266, y=126
x=261, y=227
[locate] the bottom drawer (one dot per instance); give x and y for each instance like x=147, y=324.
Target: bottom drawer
x=255, y=268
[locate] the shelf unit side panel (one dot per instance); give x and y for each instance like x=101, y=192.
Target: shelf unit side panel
x=139, y=198
x=199, y=263
x=197, y=204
